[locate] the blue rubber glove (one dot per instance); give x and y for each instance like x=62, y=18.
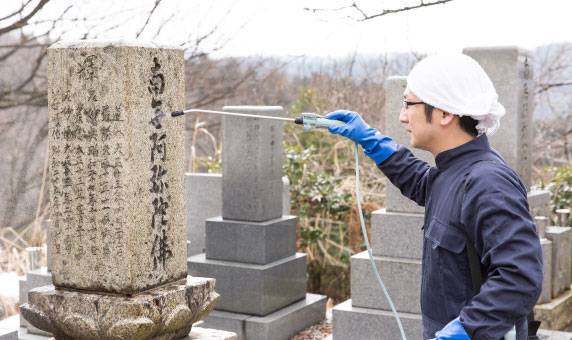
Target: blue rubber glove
x=375, y=145
x=453, y=331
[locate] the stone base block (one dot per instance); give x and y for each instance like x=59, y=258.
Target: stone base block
x=561, y=238
x=401, y=277
x=199, y=333
x=250, y=242
x=545, y=334
x=252, y=288
x=556, y=314
x=397, y=234
x=163, y=313
x=546, y=294
x=6, y=334
x=280, y=325
x=371, y=324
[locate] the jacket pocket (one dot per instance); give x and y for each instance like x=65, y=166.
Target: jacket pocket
x=447, y=260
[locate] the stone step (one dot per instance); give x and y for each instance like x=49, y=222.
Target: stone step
x=556, y=314
x=250, y=242
x=397, y=234
x=279, y=325
x=401, y=277
x=350, y=322
x=253, y=288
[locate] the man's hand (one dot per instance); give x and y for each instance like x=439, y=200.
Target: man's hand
x=452, y=331
x=377, y=146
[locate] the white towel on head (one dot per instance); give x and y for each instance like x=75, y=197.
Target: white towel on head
x=457, y=84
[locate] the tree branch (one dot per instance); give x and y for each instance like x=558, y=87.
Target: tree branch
x=546, y=87
x=366, y=16
x=24, y=21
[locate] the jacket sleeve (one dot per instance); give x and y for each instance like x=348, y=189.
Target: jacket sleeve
x=496, y=216
x=408, y=173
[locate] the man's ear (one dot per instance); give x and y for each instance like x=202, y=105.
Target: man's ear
x=446, y=118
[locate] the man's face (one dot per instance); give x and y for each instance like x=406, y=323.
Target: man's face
x=421, y=133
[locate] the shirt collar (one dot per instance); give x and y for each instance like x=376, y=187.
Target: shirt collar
x=468, y=150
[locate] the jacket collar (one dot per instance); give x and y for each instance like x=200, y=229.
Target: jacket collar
x=461, y=153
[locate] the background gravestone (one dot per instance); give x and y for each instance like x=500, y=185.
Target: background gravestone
x=251, y=248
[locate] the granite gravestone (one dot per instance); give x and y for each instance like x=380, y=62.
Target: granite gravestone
x=117, y=229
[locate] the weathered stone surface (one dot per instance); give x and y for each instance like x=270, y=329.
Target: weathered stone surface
x=560, y=237
x=401, y=277
x=539, y=202
x=117, y=165
x=546, y=294
x=510, y=69
x=394, y=200
x=555, y=314
x=167, y=312
x=251, y=242
x=204, y=201
x=397, y=234
x=252, y=164
x=253, y=288
x=351, y=322
x=200, y=333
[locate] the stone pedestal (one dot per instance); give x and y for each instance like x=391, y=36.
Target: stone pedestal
x=251, y=247
x=166, y=312
x=117, y=192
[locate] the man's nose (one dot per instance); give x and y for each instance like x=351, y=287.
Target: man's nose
x=403, y=118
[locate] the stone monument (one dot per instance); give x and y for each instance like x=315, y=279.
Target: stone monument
x=251, y=247
x=118, y=218
x=397, y=237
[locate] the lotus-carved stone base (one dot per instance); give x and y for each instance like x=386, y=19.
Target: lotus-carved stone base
x=162, y=313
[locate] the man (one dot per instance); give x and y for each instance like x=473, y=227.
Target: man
x=449, y=107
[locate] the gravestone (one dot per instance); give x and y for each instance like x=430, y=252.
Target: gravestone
x=510, y=69
x=251, y=247
x=118, y=218
x=397, y=237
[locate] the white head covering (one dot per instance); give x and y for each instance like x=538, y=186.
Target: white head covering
x=457, y=84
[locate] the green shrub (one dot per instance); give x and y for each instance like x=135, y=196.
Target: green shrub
x=560, y=186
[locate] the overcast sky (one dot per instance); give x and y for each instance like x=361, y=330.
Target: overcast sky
x=284, y=28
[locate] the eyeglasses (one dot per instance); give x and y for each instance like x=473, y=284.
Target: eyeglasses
x=406, y=104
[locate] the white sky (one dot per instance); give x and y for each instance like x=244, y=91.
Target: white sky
x=284, y=28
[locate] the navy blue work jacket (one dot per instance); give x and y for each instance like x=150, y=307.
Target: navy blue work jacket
x=494, y=212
